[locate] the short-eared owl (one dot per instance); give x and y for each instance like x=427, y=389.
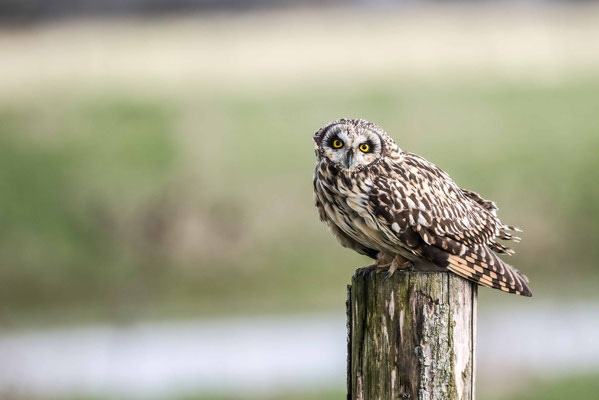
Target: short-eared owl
x=404, y=211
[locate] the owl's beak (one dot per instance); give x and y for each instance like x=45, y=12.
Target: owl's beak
x=348, y=159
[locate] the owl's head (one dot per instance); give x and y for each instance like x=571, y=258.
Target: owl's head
x=351, y=143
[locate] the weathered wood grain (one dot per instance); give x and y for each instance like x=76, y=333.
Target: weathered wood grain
x=411, y=337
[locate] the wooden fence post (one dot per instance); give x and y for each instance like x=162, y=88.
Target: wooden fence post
x=411, y=337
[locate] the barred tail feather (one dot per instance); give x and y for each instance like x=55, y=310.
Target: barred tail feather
x=479, y=264
x=501, y=249
x=510, y=282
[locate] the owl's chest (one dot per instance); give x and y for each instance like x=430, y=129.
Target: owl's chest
x=347, y=206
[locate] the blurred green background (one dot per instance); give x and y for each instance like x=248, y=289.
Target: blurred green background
x=161, y=168
x=116, y=203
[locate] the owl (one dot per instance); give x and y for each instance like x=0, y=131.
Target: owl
x=405, y=212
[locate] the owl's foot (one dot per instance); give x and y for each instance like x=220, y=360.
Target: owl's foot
x=400, y=263
x=372, y=269
x=366, y=270
x=382, y=263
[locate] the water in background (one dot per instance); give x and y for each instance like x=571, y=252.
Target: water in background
x=272, y=354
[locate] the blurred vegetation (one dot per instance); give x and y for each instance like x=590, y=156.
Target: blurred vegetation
x=117, y=205
x=579, y=387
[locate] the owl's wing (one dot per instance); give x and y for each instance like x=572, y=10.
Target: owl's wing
x=488, y=205
x=421, y=206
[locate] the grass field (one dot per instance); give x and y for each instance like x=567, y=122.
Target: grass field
x=155, y=168
x=162, y=168
x=115, y=203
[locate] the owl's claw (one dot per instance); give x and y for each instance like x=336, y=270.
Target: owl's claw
x=371, y=269
x=364, y=270
x=398, y=263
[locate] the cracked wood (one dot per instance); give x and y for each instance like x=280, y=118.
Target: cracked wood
x=411, y=337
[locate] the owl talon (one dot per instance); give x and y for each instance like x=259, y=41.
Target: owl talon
x=371, y=269
x=387, y=276
x=363, y=271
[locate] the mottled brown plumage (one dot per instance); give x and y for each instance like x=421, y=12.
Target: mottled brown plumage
x=393, y=205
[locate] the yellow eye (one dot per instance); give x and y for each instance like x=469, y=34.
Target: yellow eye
x=337, y=144
x=365, y=147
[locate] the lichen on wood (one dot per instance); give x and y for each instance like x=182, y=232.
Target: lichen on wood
x=411, y=336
